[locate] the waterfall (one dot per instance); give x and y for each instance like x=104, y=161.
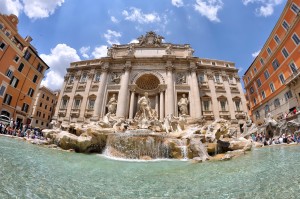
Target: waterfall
x=184, y=152
x=136, y=144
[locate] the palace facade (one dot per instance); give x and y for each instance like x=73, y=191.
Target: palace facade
x=272, y=80
x=169, y=73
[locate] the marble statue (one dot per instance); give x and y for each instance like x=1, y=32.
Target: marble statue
x=183, y=105
x=112, y=105
x=144, y=104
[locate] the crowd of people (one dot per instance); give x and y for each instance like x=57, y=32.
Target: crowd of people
x=287, y=139
x=21, y=130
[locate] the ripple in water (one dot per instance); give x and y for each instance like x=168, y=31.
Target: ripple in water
x=28, y=171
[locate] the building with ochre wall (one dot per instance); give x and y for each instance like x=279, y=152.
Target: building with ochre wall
x=44, y=107
x=21, y=71
x=271, y=80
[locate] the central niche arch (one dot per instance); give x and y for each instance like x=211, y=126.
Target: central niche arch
x=147, y=82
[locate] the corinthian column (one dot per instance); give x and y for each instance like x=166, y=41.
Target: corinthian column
x=161, y=105
x=195, y=99
x=100, y=93
x=170, y=99
x=123, y=93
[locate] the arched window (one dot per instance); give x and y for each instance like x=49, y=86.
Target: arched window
x=5, y=113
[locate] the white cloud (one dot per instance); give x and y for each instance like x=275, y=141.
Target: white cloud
x=100, y=51
x=266, y=7
x=114, y=19
x=58, y=60
x=136, y=15
x=255, y=53
x=209, y=8
x=177, y=3
x=10, y=7
x=134, y=41
x=84, y=51
x=34, y=9
x=112, y=37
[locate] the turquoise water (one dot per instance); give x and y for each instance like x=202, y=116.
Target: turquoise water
x=29, y=171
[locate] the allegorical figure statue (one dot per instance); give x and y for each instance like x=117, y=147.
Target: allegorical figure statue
x=112, y=105
x=183, y=105
x=145, y=108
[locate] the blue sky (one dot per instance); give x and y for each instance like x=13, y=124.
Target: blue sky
x=64, y=31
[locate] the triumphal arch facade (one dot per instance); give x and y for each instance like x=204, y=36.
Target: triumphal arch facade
x=173, y=80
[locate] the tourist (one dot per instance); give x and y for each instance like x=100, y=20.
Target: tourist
x=280, y=140
x=1, y=127
x=253, y=137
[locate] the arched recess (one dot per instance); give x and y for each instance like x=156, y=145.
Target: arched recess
x=156, y=74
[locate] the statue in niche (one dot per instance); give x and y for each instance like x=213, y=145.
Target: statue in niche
x=116, y=78
x=183, y=105
x=145, y=116
x=181, y=79
x=112, y=105
x=145, y=108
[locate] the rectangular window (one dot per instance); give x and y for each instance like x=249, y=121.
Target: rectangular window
x=47, y=98
x=254, y=101
x=217, y=78
x=223, y=105
x=40, y=68
x=35, y=78
x=275, y=64
x=258, y=82
x=9, y=73
x=2, y=45
x=14, y=82
x=248, y=79
x=46, y=107
x=30, y=92
x=285, y=52
x=272, y=87
x=296, y=38
x=266, y=74
x=251, y=90
x=64, y=104
x=237, y=105
x=41, y=104
x=293, y=67
x=285, y=25
x=25, y=107
x=71, y=80
x=17, y=58
x=295, y=8
x=201, y=78
x=263, y=94
x=262, y=61
x=36, y=121
x=276, y=38
x=27, y=55
x=76, y=104
x=50, y=109
x=288, y=95
x=281, y=78
x=255, y=70
x=2, y=90
x=213, y=63
x=267, y=109
x=97, y=77
x=20, y=68
x=83, y=78
x=7, y=99
x=276, y=102
x=91, y=103
x=206, y=105
x=269, y=51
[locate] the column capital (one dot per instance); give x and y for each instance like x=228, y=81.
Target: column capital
x=162, y=87
x=127, y=66
x=170, y=68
